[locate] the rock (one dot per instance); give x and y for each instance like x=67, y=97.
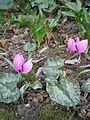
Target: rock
x=26, y=29
x=14, y=37
x=26, y=33
x=88, y=114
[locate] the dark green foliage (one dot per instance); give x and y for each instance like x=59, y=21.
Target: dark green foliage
x=6, y=4
x=46, y=5
x=8, y=88
x=61, y=90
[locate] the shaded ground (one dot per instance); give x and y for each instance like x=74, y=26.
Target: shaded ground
x=37, y=104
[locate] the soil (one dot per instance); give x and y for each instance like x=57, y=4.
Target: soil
x=37, y=104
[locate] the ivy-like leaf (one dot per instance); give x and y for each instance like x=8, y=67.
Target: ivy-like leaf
x=72, y=6
x=65, y=93
x=29, y=47
x=51, y=68
x=54, y=63
x=8, y=87
x=6, y=4
x=46, y=5
x=86, y=86
x=37, y=85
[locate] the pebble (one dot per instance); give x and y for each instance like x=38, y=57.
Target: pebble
x=88, y=114
x=14, y=37
x=26, y=33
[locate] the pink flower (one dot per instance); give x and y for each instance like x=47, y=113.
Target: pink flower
x=78, y=46
x=19, y=64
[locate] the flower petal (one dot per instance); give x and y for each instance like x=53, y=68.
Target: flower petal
x=18, y=62
x=71, y=45
x=82, y=46
x=77, y=40
x=27, y=67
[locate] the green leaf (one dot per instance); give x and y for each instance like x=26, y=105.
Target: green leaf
x=82, y=72
x=10, y=63
x=69, y=14
x=23, y=88
x=29, y=47
x=21, y=36
x=53, y=24
x=6, y=4
x=79, y=4
x=65, y=93
x=8, y=87
x=51, y=72
x=56, y=63
x=86, y=86
x=87, y=2
x=72, y=6
x=36, y=85
x=46, y=5
x=51, y=68
x=86, y=15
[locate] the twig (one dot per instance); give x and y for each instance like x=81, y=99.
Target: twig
x=86, y=66
x=36, y=61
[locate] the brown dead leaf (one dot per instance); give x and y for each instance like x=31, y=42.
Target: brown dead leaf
x=72, y=62
x=16, y=31
x=4, y=42
x=11, y=27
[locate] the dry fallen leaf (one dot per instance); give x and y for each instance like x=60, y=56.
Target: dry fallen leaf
x=4, y=42
x=72, y=62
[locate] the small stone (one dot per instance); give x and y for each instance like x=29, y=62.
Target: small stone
x=80, y=115
x=14, y=37
x=88, y=114
x=26, y=33
x=83, y=111
x=27, y=29
x=27, y=105
x=35, y=100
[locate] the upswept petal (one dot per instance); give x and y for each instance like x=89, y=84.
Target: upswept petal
x=77, y=41
x=18, y=62
x=82, y=46
x=27, y=67
x=71, y=45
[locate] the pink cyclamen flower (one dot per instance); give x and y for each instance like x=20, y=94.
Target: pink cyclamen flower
x=19, y=64
x=78, y=46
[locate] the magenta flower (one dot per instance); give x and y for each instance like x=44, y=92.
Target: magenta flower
x=19, y=64
x=78, y=46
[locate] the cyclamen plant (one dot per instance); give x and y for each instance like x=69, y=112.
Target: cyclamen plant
x=20, y=66
x=78, y=46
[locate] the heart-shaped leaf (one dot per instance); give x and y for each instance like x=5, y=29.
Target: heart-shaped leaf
x=65, y=92
x=29, y=47
x=46, y=5
x=6, y=4
x=51, y=68
x=86, y=86
x=8, y=87
x=37, y=85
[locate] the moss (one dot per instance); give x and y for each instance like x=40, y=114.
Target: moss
x=50, y=113
x=6, y=115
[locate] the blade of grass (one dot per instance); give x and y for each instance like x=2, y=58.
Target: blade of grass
x=82, y=72
x=10, y=63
